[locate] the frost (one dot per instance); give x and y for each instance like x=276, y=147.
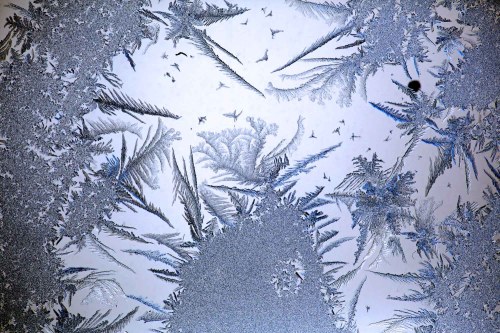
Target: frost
x=473, y=82
x=461, y=287
x=368, y=29
x=57, y=200
x=288, y=276
x=186, y=16
x=270, y=283
x=232, y=274
x=413, y=117
x=114, y=101
x=260, y=252
x=97, y=323
x=454, y=144
x=379, y=202
x=425, y=237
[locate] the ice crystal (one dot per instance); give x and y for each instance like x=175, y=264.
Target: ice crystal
x=454, y=143
x=235, y=286
x=260, y=255
x=97, y=323
x=284, y=273
x=462, y=289
x=185, y=18
x=288, y=276
x=487, y=133
x=46, y=168
x=425, y=236
x=413, y=117
x=474, y=83
x=367, y=27
x=237, y=154
x=379, y=202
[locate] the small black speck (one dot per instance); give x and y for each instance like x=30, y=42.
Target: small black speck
x=414, y=85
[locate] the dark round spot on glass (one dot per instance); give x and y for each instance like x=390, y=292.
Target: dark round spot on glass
x=414, y=85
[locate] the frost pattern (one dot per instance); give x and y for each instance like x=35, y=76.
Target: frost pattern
x=367, y=29
x=261, y=251
x=233, y=274
x=186, y=16
x=288, y=277
x=57, y=199
x=276, y=279
x=461, y=287
x=379, y=202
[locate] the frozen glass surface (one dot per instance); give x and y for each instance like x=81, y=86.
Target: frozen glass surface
x=261, y=166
